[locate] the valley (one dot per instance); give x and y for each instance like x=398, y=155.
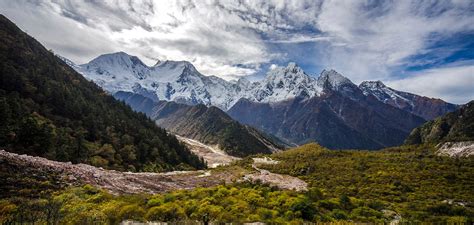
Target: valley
x=408, y=183
x=117, y=141
x=117, y=182
x=327, y=108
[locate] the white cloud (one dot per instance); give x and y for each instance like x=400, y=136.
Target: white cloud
x=378, y=38
x=364, y=40
x=220, y=38
x=64, y=36
x=453, y=84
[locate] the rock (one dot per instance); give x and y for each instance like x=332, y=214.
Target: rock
x=456, y=149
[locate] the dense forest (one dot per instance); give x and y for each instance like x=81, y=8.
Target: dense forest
x=47, y=109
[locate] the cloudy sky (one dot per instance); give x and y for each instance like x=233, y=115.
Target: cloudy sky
x=424, y=47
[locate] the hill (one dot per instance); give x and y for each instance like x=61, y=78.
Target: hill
x=48, y=109
x=209, y=125
x=453, y=127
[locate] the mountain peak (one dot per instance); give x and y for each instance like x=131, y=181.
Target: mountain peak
x=170, y=70
x=243, y=82
x=332, y=79
x=175, y=64
x=157, y=63
x=120, y=54
x=421, y=106
x=290, y=72
x=372, y=84
x=292, y=67
x=283, y=83
x=118, y=58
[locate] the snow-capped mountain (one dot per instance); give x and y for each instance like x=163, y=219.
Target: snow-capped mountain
x=333, y=80
x=283, y=83
x=330, y=80
x=180, y=81
x=385, y=94
x=167, y=80
x=329, y=109
x=425, y=107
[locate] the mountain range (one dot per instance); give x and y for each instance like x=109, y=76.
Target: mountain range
x=123, y=142
x=287, y=103
x=179, y=81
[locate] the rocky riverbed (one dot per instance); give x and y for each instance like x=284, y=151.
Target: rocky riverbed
x=129, y=182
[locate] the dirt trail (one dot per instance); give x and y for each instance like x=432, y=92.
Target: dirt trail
x=215, y=157
x=275, y=179
x=212, y=155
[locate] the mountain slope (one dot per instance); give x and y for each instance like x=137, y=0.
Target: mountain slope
x=427, y=108
x=298, y=121
x=209, y=125
x=341, y=117
x=48, y=109
x=454, y=127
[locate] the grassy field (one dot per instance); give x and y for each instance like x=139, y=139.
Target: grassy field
x=410, y=183
x=411, y=180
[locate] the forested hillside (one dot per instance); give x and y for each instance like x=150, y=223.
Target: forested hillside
x=454, y=126
x=209, y=125
x=48, y=109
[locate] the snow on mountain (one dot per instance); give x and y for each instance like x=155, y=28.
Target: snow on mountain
x=180, y=81
x=284, y=83
x=332, y=80
x=425, y=107
x=68, y=62
x=167, y=80
x=385, y=94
